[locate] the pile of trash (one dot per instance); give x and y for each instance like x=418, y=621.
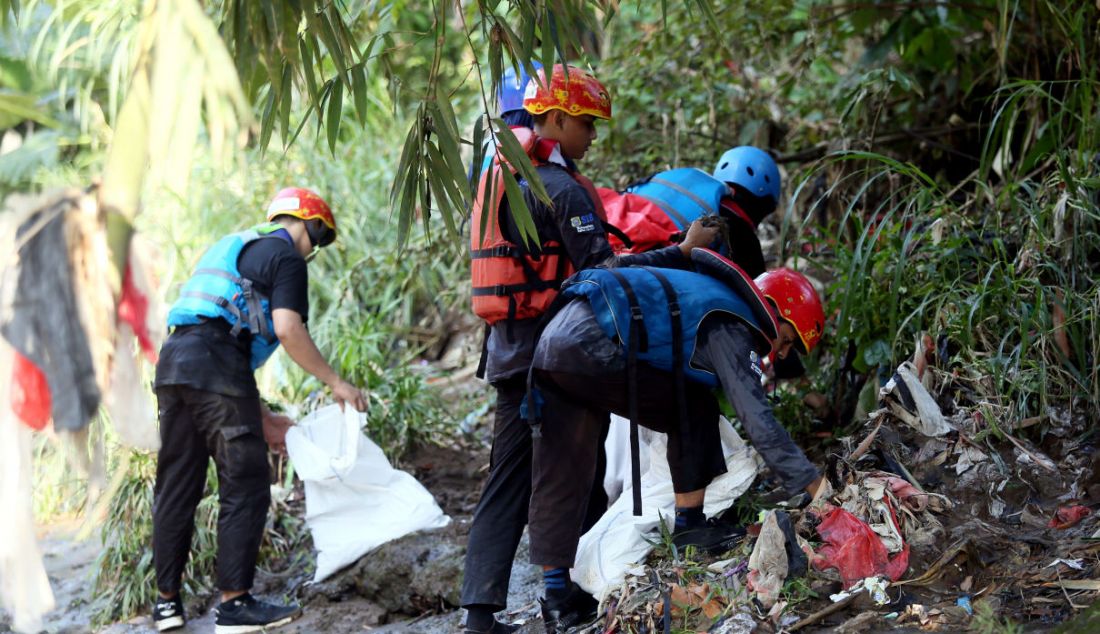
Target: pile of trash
x=940, y=514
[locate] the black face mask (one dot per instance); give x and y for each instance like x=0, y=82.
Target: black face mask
x=320, y=234
x=757, y=207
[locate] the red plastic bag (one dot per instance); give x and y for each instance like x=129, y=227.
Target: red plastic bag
x=855, y=550
x=30, y=393
x=1067, y=516
x=639, y=218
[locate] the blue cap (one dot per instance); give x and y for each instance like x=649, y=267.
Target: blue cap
x=752, y=169
x=513, y=87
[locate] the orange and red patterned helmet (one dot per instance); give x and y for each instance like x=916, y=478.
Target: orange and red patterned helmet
x=796, y=302
x=577, y=95
x=306, y=205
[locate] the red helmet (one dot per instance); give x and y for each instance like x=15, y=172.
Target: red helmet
x=305, y=204
x=796, y=302
x=580, y=94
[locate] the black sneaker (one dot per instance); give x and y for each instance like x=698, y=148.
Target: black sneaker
x=246, y=614
x=168, y=614
x=576, y=609
x=496, y=628
x=713, y=538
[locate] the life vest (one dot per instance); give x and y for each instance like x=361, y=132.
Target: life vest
x=217, y=290
x=652, y=299
x=684, y=194
x=509, y=282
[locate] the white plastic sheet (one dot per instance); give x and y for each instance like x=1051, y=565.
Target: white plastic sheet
x=618, y=541
x=355, y=500
x=24, y=587
x=925, y=415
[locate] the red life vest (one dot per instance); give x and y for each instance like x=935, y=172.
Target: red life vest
x=508, y=281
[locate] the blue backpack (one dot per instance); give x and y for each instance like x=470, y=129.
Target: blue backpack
x=685, y=194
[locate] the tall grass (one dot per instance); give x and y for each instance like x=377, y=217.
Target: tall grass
x=984, y=264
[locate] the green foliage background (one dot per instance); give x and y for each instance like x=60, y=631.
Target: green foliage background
x=940, y=171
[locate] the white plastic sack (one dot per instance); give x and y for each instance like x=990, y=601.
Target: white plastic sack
x=355, y=500
x=24, y=587
x=618, y=541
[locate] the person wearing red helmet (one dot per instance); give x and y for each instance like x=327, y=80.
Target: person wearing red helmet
x=650, y=344
x=513, y=285
x=246, y=297
x=797, y=307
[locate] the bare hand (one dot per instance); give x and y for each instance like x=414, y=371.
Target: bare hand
x=275, y=427
x=698, y=235
x=345, y=392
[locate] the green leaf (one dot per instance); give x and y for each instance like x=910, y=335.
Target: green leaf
x=479, y=153
x=307, y=70
x=404, y=164
x=359, y=87
x=328, y=35
x=335, y=102
x=16, y=108
x=408, y=200
x=267, y=121
x=448, y=140
x=442, y=184
x=520, y=214
x=287, y=103
x=510, y=148
x=441, y=192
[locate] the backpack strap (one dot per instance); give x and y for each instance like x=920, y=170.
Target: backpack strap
x=686, y=192
x=637, y=342
x=677, y=347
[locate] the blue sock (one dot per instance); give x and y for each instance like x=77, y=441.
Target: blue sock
x=556, y=582
x=689, y=517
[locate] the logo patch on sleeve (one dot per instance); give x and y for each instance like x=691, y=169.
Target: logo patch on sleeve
x=754, y=363
x=583, y=224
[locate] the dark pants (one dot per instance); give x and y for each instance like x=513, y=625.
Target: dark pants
x=501, y=512
x=195, y=426
x=575, y=415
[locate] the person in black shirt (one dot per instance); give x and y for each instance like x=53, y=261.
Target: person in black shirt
x=247, y=296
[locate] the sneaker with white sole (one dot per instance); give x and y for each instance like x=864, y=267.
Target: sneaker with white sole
x=168, y=614
x=246, y=614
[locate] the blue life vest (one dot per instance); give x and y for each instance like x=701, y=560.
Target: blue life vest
x=216, y=289
x=685, y=194
x=662, y=296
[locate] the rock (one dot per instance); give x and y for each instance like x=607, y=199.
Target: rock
x=410, y=575
x=860, y=623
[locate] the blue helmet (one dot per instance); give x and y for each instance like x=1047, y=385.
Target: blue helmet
x=512, y=87
x=751, y=168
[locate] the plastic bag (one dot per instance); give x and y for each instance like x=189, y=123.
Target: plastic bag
x=355, y=500
x=619, y=539
x=768, y=562
x=30, y=394
x=1067, y=516
x=855, y=550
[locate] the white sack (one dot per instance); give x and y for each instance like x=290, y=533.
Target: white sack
x=618, y=541
x=355, y=501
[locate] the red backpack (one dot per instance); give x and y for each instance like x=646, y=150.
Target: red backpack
x=647, y=225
